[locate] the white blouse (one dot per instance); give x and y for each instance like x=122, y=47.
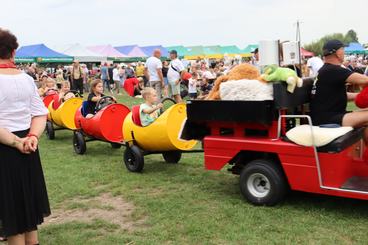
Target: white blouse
x=19, y=102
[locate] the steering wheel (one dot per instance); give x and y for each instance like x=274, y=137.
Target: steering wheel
x=76, y=93
x=104, y=101
x=167, y=103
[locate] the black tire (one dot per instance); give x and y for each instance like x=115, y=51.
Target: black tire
x=133, y=159
x=50, y=131
x=262, y=182
x=115, y=145
x=79, y=143
x=172, y=156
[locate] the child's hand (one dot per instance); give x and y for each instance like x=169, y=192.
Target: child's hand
x=159, y=105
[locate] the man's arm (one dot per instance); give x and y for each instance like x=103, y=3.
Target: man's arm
x=357, y=79
x=159, y=72
x=351, y=96
x=146, y=74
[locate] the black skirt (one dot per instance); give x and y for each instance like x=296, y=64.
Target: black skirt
x=23, y=196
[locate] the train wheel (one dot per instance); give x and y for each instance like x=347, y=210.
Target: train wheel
x=50, y=132
x=262, y=182
x=172, y=156
x=79, y=143
x=115, y=145
x=133, y=159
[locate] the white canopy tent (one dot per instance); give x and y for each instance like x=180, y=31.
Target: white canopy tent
x=81, y=53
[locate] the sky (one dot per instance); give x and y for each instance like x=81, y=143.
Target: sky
x=170, y=22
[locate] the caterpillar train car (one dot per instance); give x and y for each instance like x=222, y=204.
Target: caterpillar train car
x=163, y=136
x=62, y=116
x=105, y=125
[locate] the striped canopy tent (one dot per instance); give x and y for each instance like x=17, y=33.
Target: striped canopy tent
x=195, y=52
x=107, y=50
x=213, y=52
x=230, y=50
x=148, y=50
x=80, y=53
x=131, y=51
x=40, y=53
x=182, y=51
x=355, y=48
x=247, y=51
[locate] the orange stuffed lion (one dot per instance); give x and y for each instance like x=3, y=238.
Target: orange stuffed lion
x=242, y=71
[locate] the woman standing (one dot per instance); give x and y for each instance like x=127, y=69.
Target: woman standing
x=23, y=196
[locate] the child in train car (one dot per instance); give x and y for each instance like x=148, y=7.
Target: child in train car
x=149, y=111
x=96, y=93
x=65, y=88
x=50, y=85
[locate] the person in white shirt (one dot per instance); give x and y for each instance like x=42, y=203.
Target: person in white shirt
x=174, y=75
x=116, y=78
x=23, y=194
x=314, y=64
x=153, y=72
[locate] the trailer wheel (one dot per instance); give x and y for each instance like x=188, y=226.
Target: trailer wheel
x=172, y=156
x=133, y=158
x=50, y=131
x=115, y=145
x=262, y=182
x=79, y=143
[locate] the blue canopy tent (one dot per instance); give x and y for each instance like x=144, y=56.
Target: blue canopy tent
x=355, y=48
x=42, y=54
x=148, y=50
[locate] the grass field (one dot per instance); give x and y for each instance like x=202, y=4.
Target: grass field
x=95, y=200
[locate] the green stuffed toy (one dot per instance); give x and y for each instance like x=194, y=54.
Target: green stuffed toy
x=273, y=73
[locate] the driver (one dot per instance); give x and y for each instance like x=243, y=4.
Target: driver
x=328, y=105
x=94, y=97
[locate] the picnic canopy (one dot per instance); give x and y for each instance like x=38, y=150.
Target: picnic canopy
x=213, y=52
x=81, y=53
x=355, y=48
x=182, y=51
x=230, y=50
x=247, y=51
x=306, y=53
x=107, y=50
x=40, y=53
x=131, y=51
x=148, y=50
x=195, y=52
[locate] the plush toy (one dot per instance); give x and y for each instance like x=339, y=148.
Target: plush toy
x=239, y=72
x=274, y=73
x=361, y=100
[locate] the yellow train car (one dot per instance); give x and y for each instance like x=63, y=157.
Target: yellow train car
x=62, y=116
x=162, y=136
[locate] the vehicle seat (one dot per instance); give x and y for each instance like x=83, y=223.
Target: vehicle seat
x=136, y=117
x=340, y=143
x=84, y=109
x=343, y=141
x=56, y=102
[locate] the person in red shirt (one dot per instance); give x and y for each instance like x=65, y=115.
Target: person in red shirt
x=133, y=86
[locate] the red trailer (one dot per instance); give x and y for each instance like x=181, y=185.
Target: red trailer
x=250, y=137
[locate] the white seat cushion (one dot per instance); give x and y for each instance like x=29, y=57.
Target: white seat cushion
x=301, y=135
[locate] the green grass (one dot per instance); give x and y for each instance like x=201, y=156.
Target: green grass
x=183, y=203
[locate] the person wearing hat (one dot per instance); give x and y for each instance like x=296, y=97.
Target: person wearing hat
x=174, y=75
x=329, y=96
